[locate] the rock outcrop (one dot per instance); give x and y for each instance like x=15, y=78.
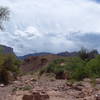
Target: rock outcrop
x=6, y=50
x=36, y=96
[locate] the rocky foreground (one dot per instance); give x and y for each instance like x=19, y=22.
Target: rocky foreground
x=44, y=88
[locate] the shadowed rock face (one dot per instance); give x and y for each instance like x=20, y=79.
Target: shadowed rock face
x=6, y=50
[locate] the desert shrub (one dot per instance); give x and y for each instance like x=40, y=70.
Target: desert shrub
x=76, y=69
x=83, y=54
x=87, y=55
x=54, y=67
x=9, y=67
x=87, y=65
x=42, y=71
x=58, y=61
x=11, y=63
x=90, y=69
x=79, y=73
x=93, y=67
x=73, y=68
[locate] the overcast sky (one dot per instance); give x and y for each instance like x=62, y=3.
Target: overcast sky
x=51, y=25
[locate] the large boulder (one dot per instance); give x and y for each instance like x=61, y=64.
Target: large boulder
x=7, y=76
x=61, y=75
x=36, y=96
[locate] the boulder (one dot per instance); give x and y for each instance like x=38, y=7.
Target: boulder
x=28, y=97
x=2, y=85
x=97, y=96
x=36, y=96
x=7, y=76
x=60, y=75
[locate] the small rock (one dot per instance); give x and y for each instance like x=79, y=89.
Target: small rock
x=98, y=81
x=34, y=80
x=97, y=96
x=2, y=85
x=87, y=80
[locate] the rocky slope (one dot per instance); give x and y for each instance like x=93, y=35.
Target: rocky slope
x=30, y=87
x=33, y=63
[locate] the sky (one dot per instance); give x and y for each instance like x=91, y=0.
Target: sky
x=51, y=25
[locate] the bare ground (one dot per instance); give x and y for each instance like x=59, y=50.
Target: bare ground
x=54, y=89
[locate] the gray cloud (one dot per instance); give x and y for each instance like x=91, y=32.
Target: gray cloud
x=47, y=25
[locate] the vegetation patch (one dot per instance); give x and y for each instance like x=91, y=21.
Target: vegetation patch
x=86, y=65
x=9, y=67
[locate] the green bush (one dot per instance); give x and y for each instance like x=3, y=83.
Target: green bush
x=73, y=67
x=9, y=67
x=11, y=63
x=76, y=69
x=93, y=67
x=87, y=55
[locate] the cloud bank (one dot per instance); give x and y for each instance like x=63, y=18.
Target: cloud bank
x=51, y=25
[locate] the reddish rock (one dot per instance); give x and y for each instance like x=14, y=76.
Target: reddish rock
x=28, y=97
x=97, y=96
x=36, y=96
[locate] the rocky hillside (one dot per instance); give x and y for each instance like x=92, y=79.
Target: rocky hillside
x=33, y=63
